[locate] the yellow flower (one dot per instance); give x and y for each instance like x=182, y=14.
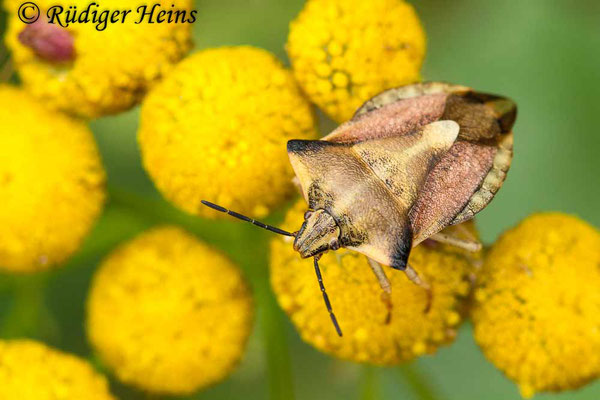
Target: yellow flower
x=537, y=310
x=32, y=371
x=216, y=128
x=344, y=52
x=110, y=70
x=51, y=183
x=356, y=299
x=169, y=314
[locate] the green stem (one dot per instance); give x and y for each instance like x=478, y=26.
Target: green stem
x=281, y=383
x=370, y=383
x=28, y=315
x=418, y=382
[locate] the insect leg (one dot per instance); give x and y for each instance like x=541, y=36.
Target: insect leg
x=325, y=297
x=386, y=286
x=412, y=275
x=469, y=245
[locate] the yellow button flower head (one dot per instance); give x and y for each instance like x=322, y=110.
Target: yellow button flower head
x=344, y=52
x=169, y=314
x=537, y=310
x=51, y=183
x=32, y=371
x=91, y=72
x=356, y=298
x=216, y=128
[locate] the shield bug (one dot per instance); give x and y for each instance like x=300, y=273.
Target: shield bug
x=412, y=161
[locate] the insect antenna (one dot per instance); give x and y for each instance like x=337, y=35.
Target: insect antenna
x=247, y=219
x=326, y=298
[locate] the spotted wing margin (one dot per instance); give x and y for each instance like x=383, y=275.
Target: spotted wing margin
x=401, y=111
x=369, y=187
x=396, y=112
x=407, y=92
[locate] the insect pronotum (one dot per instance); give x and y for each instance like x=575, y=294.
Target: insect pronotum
x=411, y=162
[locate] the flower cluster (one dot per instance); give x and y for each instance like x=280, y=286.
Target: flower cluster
x=169, y=314
x=344, y=52
x=107, y=71
x=216, y=129
x=537, y=309
x=51, y=183
x=415, y=327
x=32, y=371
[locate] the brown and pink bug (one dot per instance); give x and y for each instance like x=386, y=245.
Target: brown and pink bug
x=412, y=161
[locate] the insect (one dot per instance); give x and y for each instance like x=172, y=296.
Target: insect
x=412, y=161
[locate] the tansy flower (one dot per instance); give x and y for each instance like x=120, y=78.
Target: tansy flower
x=32, y=371
x=537, y=310
x=216, y=128
x=356, y=298
x=51, y=183
x=344, y=52
x=88, y=72
x=169, y=314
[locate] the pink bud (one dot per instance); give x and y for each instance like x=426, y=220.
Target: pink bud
x=49, y=41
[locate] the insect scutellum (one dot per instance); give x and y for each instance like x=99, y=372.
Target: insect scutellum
x=318, y=233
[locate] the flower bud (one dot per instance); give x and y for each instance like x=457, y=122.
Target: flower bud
x=49, y=41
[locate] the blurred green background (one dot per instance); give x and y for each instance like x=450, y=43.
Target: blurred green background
x=545, y=54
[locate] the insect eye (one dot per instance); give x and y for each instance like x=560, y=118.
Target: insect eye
x=334, y=245
x=307, y=214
